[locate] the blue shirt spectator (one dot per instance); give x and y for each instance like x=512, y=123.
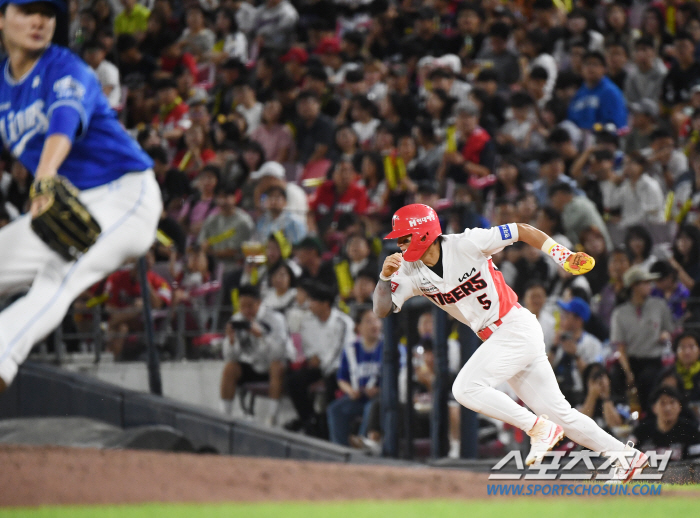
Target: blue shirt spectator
x=599, y=100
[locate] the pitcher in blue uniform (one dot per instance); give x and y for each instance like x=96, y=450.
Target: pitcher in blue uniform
x=55, y=119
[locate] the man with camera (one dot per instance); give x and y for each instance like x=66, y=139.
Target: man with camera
x=574, y=348
x=254, y=349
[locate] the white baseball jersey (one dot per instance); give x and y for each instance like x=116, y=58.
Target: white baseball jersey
x=472, y=290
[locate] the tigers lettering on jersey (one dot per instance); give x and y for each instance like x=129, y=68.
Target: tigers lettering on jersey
x=471, y=285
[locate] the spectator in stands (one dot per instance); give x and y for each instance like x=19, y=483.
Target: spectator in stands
x=612, y=293
x=639, y=329
x=277, y=217
x=107, y=73
x=665, y=430
x=477, y=153
x=255, y=349
x=597, y=399
x=551, y=173
x=644, y=115
x=324, y=335
x=125, y=305
x=574, y=349
x=599, y=100
x=669, y=288
x=202, y=203
x=273, y=174
x=646, y=75
x=638, y=243
x=224, y=232
x=247, y=104
x=132, y=20
x=283, y=292
x=340, y=195
x=274, y=137
x=230, y=41
x=498, y=56
x=687, y=349
x=616, y=57
x=359, y=378
x=534, y=300
x=197, y=38
x=637, y=195
x=174, y=184
x=195, y=154
x=577, y=213
x=274, y=23
x=687, y=191
x=686, y=255
x=171, y=121
x=667, y=163
x=314, y=131
x=308, y=254
x=683, y=74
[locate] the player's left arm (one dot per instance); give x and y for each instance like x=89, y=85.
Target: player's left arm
x=575, y=263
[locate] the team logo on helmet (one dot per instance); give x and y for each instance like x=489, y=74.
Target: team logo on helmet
x=394, y=221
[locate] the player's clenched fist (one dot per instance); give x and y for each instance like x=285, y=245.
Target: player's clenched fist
x=391, y=264
x=579, y=263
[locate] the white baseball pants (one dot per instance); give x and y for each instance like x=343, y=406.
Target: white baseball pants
x=515, y=353
x=128, y=210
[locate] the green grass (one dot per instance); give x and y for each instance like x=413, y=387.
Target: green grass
x=494, y=508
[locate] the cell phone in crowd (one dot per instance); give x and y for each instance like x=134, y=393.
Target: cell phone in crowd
x=240, y=325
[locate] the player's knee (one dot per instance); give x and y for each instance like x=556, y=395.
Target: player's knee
x=466, y=393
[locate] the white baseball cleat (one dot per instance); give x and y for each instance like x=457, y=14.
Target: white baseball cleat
x=544, y=436
x=637, y=463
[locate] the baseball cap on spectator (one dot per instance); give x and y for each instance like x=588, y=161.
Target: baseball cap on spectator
x=269, y=169
x=578, y=307
x=296, y=54
x=636, y=274
x=695, y=89
x=59, y=4
x=646, y=107
x=328, y=45
x=450, y=62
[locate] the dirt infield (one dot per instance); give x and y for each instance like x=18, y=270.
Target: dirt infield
x=53, y=475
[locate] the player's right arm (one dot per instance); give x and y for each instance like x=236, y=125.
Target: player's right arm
x=393, y=288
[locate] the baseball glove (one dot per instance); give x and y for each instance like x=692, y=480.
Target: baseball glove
x=64, y=223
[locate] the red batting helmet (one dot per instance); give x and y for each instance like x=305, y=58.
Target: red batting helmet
x=421, y=222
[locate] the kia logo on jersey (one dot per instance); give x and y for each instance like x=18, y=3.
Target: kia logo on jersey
x=471, y=285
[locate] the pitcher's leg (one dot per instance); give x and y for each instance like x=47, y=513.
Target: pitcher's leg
x=537, y=387
x=22, y=256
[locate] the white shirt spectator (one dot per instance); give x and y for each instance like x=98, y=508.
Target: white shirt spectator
x=589, y=349
x=251, y=115
x=547, y=62
x=108, y=75
x=276, y=24
x=639, y=203
x=365, y=131
x=245, y=17
x=236, y=46
x=326, y=340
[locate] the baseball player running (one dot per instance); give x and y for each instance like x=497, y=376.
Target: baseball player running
x=457, y=274
x=94, y=202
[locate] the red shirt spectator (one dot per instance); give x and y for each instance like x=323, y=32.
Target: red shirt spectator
x=341, y=195
x=123, y=288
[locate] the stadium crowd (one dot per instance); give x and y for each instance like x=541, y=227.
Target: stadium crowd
x=285, y=134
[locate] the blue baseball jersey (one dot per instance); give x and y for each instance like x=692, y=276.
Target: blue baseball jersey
x=102, y=150
x=365, y=366
x=602, y=104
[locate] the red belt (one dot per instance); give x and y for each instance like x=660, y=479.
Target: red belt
x=486, y=332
